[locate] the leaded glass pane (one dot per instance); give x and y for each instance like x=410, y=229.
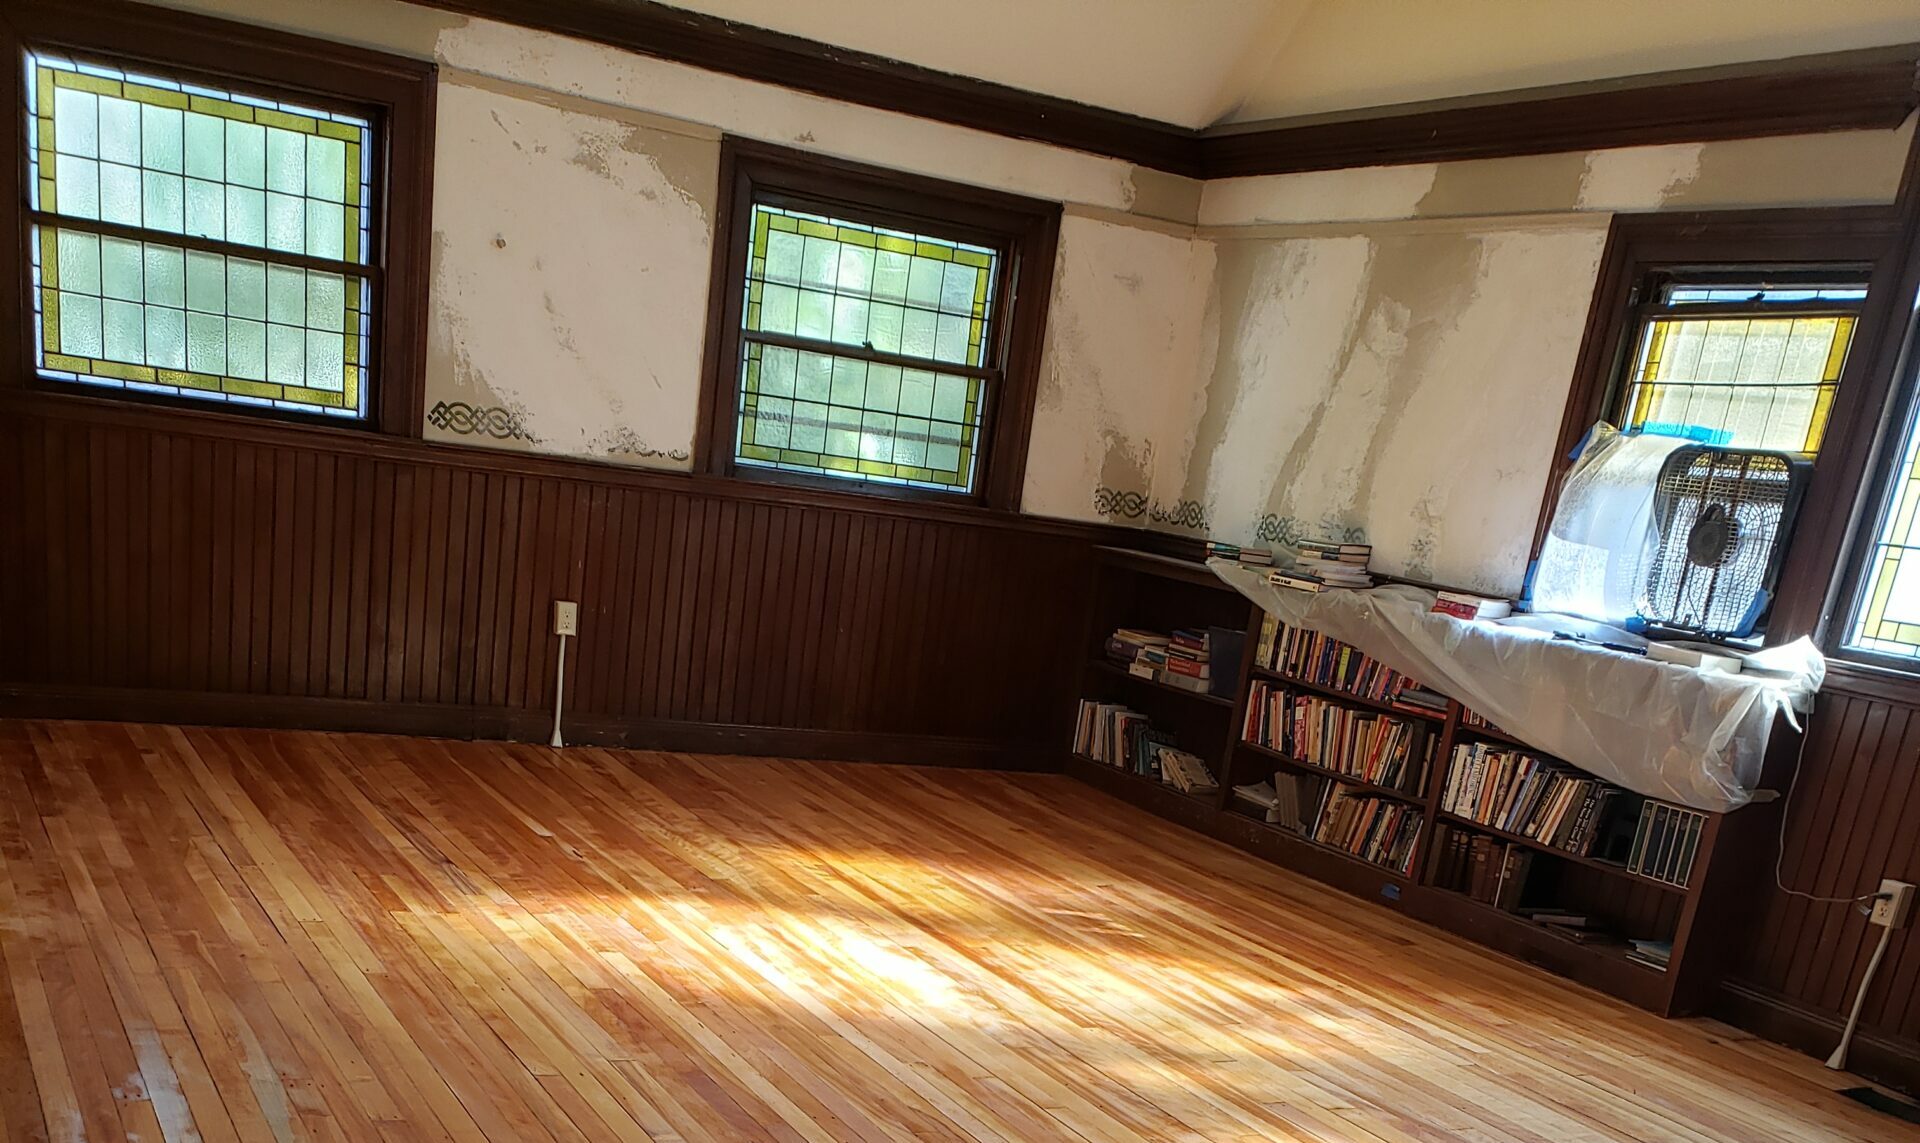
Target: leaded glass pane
x=174, y=158
x=905, y=295
x=1748, y=382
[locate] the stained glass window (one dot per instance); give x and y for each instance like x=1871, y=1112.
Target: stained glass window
x=198, y=243
x=1886, y=613
x=864, y=351
x=1747, y=366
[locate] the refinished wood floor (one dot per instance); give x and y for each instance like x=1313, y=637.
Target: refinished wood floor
x=212, y=934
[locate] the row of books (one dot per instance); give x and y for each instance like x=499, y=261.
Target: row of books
x=1483, y=867
x=1323, y=661
x=1292, y=801
x=1374, y=829
x=1665, y=841
x=1125, y=739
x=1372, y=747
x=1319, y=565
x=1527, y=795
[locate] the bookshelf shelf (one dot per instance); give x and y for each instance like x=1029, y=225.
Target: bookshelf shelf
x=1536, y=845
x=1379, y=791
x=1344, y=696
x=1106, y=667
x=1701, y=919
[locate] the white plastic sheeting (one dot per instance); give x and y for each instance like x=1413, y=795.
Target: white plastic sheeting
x=1692, y=737
x=1593, y=561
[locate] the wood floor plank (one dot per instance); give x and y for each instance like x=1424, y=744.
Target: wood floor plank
x=247, y=936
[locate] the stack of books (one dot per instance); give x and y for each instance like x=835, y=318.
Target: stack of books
x=1653, y=954
x=1314, y=658
x=1574, y=925
x=1373, y=829
x=1186, y=772
x=1110, y=733
x=1527, y=795
x=1484, y=868
x=1184, y=659
x=1189, y=662
x=1320, y=566
x=1259, y=557
x=1129, y=646
x=1665, y=842
x=1376, y=748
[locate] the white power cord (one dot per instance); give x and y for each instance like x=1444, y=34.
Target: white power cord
x=559, y=691
x=1838, y=1060
x=1780, y=850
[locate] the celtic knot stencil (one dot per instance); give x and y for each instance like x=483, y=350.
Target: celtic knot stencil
x=1114, y=502
x=496, y=421
x=1190, y=514
x=622, y=440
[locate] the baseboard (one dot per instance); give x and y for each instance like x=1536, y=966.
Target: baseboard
x=1886, y=1060
x=439, y=720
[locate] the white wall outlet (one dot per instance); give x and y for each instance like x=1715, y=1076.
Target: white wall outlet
x=566, y=617
x=1893, y=908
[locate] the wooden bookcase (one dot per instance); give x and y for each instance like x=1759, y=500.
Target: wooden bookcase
x=1133, y=589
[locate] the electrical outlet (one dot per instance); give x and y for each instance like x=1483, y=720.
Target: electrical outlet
x=566, y=617
x=1891, y=909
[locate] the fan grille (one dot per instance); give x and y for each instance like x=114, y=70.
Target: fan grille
x=1719, y=518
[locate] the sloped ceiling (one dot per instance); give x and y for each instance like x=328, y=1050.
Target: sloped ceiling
x=1197, y=63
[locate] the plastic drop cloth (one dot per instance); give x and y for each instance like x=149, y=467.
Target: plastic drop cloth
x=1692, y=737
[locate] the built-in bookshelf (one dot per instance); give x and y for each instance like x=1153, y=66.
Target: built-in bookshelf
x=1328, y=762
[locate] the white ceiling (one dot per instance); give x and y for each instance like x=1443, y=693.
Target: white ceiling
x=1201, y=62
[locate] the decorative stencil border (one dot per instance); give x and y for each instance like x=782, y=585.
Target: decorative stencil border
x=1273, y=529
x=1114, y=502
x=497, y=421
x=1189, y=514
x=623, y=441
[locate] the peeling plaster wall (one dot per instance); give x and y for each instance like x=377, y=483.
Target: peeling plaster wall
x=569, y=283
x=1120, y=367
x=1401, y=388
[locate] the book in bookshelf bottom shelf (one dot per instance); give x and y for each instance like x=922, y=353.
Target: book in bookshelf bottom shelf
x=1329, y=814
x=1113, y=735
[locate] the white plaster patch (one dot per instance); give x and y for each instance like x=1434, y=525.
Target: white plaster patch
x=1637, y=178
x=571, y=283
x=781, y=115
x=1362, y=194
x=1122, y=343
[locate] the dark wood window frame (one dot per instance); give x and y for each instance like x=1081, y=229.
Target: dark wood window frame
x=1024, y=230
x=1641, y=247
x=396, y=93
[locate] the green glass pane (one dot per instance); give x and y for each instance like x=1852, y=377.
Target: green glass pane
x=124, y=330
x=286, y=355
x=121, y=269
x=206, y=146
x=326, y=361
x=943, y=456
x=876, y=437
x=246, y=216
x=166, y=338
x=247, y=350
x=247, y=154
x=883, y=387
x=923, y=281
x=815, y=316
x=324, y=229
x=79, y=255
x=162, y=139
x=119, y=194
x=777, y=371
x=327, y=169
x=326, y=301
x=783, y=257
x=916, y=333
x=916, y=392
x=779, y=309
x=950, y=337
x=286, y=223
x=855, y=275
x=286, y=295
x=163, y=201
x=246, y=288
x=949, y=398
x=849, y=381
x=77, y=186
x=771, y=427
x=76, y=119
x=206, y=343
x=850, y=321
x=820, y=263
x=79, y=325
x=119, y=131
x=813, y=379
x=910, y=441
x=166, y=276
x=956, y=288
x=206, y=209
x=890, y=275
x=809, y=426
x=884, y=326
x=286, y=161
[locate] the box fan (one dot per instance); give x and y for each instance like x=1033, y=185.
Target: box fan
x=1721, y=519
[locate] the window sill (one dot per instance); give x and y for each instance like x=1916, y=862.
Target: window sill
x=1873, y=681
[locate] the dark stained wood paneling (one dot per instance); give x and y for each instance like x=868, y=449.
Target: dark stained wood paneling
x=152, y=553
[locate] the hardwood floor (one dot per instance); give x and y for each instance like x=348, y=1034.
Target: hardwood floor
x=239, y=935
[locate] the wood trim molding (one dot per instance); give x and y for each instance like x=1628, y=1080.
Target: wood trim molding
x=1884, y=1059
x=1835, y=91
x=435, y=720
